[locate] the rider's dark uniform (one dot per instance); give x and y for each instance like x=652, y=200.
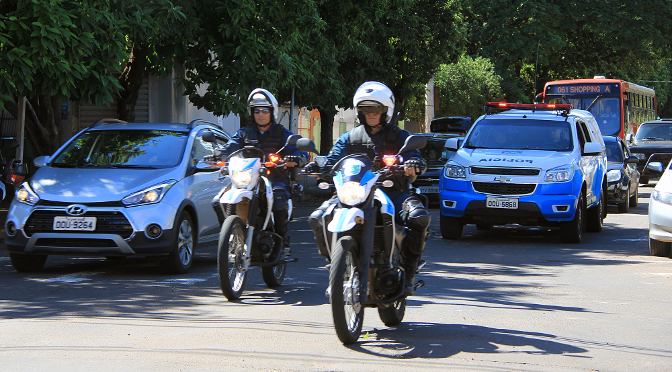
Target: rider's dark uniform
x=410, y=210
x=270, y=142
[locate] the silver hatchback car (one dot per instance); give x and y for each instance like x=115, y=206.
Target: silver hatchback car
x=118, y=189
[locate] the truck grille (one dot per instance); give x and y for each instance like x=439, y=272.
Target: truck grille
x=505, y=171
x=498, y=188
x=107, y=222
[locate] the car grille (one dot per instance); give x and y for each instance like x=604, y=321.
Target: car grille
x=498, y=188
x=505, y=171
x=49, y=203
x=107, y=222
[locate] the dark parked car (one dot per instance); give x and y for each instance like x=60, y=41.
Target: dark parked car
x=622, y=174
x=652, y=144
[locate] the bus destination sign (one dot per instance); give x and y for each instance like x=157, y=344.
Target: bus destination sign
x=590, y=89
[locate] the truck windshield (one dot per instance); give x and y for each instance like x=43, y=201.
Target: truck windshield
x=524, y=134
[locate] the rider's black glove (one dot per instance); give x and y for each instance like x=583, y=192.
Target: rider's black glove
x=416, y=163
x=294, y=159
x=312, y=167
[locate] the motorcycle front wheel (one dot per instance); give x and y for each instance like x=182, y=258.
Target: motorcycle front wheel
x=274, y=275
x=344, y=286
x=230, y=255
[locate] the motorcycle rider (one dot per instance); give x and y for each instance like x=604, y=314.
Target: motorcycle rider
x=264, y=132
x=374, y=103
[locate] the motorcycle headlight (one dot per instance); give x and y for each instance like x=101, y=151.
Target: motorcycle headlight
x=455, y=171
x=663, y=197
x=351, y=193
x=562, y=173
x=26, y=195
x=149, y=195
x=613, y=175
x=242, y=179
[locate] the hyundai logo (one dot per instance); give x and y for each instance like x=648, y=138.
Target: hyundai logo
x=75, y=209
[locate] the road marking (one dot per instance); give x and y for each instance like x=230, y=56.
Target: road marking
x=69, y=278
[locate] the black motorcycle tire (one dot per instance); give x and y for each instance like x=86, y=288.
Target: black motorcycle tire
x=274, y=275
x=394, y=314
x=230, y=251
x=344, y=289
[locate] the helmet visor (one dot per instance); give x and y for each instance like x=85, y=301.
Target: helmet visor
x=371, y=109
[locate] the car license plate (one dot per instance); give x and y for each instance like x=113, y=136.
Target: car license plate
x=429, y=189
x=75, y=223
x=503, y=203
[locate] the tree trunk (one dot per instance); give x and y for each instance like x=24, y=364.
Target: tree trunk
x=326, y=129
x=131, y=82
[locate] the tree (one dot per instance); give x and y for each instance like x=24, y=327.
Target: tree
x=52, y=51
x=465, y=87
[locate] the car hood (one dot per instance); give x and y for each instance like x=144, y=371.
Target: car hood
x=94, y=185
x=650, y=146
x=512, y=158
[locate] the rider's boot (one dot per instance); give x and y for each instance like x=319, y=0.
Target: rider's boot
x=281, y=219
x=417, y=220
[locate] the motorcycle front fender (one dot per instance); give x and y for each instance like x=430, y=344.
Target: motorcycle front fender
x=344, y=219
x=234, y=196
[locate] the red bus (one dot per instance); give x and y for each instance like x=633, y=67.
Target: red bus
x=619, y=106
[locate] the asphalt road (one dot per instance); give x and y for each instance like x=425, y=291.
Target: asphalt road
x=507, y=299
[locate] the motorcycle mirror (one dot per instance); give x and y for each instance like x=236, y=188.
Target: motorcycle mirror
x=306, y=144
x=291, y=140
x=413, y=143
x=208, y=136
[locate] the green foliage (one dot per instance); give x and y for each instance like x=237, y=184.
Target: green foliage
x=465, y=87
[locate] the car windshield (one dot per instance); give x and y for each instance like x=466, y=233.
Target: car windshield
x=614, y=152
x=435, y=151
x=124, y=149
x=654, y=132
x=521, y=135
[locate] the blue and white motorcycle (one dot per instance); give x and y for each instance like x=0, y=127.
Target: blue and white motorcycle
x=364, y=242
x=248, y=237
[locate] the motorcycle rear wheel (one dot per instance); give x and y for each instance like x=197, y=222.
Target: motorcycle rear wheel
x=394, y=314
x=344, y=286
x=274, y=275
x=230, y=254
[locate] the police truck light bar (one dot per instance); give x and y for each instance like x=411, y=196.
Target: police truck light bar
x=528, y=106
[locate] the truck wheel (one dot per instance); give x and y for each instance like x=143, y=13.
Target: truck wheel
x=570, y=231
x=451, y=227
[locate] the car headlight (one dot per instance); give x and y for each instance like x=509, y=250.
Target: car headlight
x=640, y=156
x=455, y=171
x=26, y=195
x=352, y=193
x=613, y=175
x=149, y=195
x=663, y=197
x=241, y=179
x=562, y=173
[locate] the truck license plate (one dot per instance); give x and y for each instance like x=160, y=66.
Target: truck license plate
x=503, y=203
x=75, y=223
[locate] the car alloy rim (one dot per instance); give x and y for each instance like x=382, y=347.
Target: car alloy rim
x=185, y=242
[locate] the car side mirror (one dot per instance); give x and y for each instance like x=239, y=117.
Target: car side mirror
x=452, y=144
x=656, y=166
x=592, y=148
x=628, y=137
x=40, y=161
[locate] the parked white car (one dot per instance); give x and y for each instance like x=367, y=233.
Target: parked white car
x=660, y=215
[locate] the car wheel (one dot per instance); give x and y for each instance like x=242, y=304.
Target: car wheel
x=634, y=199
x=451, y=227
x=596, y=216
x=625, y=206
x=24, y=263
x=660, y=249
x=181, y=256
x=570, y=231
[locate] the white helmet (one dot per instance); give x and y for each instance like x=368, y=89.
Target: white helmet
x=373, y=93
x=262, y=98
